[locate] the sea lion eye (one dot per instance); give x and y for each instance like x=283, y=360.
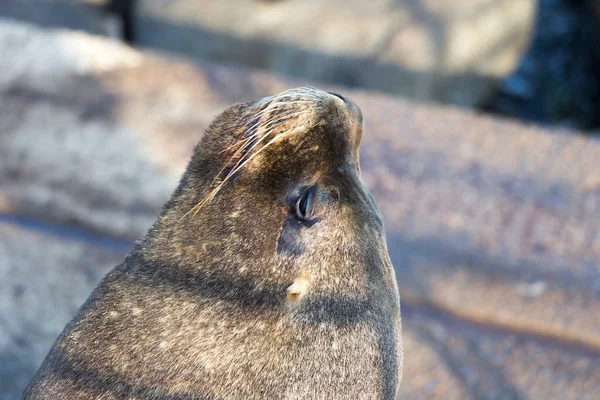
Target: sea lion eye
x=305, y=205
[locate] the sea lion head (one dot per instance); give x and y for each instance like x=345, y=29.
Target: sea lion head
x=265, y=276
x=274, y=212
x=273, y=192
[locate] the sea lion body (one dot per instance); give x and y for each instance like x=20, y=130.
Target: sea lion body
x=266, y=276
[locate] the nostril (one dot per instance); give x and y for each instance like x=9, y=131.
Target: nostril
x=339, y=96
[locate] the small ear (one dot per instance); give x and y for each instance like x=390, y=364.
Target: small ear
x=297, y=289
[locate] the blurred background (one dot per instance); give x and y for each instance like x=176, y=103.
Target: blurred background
x=481, y=148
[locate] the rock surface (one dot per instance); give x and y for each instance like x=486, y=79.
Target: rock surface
x=493, y=226
x=424, y=49
x=84, y=15
x=47, y=273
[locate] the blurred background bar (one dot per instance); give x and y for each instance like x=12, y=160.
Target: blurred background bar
x=481, y=149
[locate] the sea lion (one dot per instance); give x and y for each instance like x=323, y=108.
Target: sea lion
x=266, y=275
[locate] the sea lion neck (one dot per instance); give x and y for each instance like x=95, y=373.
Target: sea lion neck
x=266, y=274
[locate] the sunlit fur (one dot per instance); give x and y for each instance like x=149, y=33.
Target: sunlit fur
x=231, y=296
x=261, y=131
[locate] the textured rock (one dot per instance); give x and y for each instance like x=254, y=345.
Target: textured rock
x=492, y=226
x=423, y=49
x=46, y=273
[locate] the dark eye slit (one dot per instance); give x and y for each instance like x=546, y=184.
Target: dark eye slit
x=305, y=204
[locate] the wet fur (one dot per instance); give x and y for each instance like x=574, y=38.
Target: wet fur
x=199, y=310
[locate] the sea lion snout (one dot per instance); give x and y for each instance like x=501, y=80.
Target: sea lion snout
x=353, y=116
x=311, y=108
x=353, y=110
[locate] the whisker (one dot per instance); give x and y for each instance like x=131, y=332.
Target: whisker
x=243, y=144
x=265, y=135
x=278, y=137
x=270, y=108
x=249, y=145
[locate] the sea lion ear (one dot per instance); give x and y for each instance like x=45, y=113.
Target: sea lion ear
x=297, y=289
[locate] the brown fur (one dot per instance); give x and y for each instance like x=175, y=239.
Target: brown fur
x=229, y=294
